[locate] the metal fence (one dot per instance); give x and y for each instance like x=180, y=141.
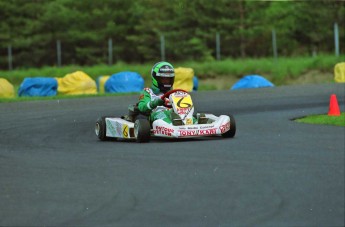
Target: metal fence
x=162, y=48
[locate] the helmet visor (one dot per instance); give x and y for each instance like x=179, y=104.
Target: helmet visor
x=166, y=80
x=165, y=83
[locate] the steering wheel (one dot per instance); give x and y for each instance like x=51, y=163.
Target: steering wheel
x=166, y=95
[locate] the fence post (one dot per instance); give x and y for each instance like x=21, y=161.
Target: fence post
x=162, y=48
x=9, y=50
x=110, y=51
x=58, y=51
x=218, y=46
x=336, y=39
x=274, y=44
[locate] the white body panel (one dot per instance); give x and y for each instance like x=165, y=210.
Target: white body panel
x=119, y=128
x=221, y=125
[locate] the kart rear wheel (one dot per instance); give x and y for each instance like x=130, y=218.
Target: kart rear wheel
x=232, y=131
x=100, y=129
x=142, y=130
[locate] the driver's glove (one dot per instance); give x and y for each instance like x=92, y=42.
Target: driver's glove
x=156, y=102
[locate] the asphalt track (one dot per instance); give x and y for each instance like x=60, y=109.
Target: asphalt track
x=275, y=172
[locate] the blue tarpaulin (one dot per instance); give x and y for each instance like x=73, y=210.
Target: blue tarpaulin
x=195, y=83
x=38, y=86
x=252, y=81
x=124, y=82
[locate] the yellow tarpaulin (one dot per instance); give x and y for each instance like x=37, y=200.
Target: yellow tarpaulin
x=6, y=89
x=101, y=81
x=339, y=72
x=184, y=78
x=76, y=83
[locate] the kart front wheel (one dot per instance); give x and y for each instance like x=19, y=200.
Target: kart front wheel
x=100, y=129
x=142, y=130
x=232, y=131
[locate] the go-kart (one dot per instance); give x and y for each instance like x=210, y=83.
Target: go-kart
x=137, y=126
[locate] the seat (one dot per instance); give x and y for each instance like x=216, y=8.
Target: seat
x=202, y=119
x=134, y=113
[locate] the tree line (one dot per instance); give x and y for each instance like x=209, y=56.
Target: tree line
x=83, y=27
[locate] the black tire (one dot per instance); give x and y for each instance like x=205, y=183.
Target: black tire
x=231, y=133
x=142, y=130
x=100, y=129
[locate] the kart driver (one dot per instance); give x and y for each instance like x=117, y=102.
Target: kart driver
x=163, y=76
x=150, y=102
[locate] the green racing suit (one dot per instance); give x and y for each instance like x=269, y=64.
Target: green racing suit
x=160, y=112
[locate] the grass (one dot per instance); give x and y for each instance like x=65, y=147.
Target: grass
x=58, y=97
x=275, y=70
x=211, y=73
x=324, y=120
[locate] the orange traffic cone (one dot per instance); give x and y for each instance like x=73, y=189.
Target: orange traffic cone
x=333, y=106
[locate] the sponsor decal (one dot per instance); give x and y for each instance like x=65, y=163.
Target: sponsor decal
x=188, y=132
x=163, y=130
x=166, y=74
x=225, y=127
x=111, y=127
x=189, y=121
x=207, y=131
x=183, y=111
x=200, y=132
x=125, y=130
x=118, y=128
x=181, y=94
x=208, y=126
x=166, y=69
x=160, y=115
